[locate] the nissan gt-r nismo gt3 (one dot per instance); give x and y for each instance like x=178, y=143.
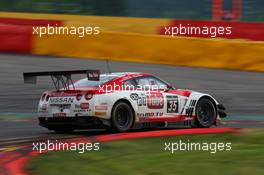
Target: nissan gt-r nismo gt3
x=121, y=101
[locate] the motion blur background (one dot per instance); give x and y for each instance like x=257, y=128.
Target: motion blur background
x=145, y=19
x=251, y=10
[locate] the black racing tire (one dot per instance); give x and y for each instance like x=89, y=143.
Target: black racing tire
x=122, y=117
x=206, y=113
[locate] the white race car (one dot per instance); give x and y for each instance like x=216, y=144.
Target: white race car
x=121, y=101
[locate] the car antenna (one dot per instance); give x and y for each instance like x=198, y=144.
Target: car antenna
x=108, y=66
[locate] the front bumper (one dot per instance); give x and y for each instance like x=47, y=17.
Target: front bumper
x=221, y=110
x=54, y=123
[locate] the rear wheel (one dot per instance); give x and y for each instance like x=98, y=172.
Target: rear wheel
x=206, y=113
x=122, y=117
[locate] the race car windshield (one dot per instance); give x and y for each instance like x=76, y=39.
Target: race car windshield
x=85, y=82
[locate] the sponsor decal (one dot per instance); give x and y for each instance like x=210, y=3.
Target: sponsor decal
x=142, y=100
x=93, y=75
x=64, y=106
x=150, y=114
x=77, y=106
x=172, y=104
x=61, y=114
x=101, y=107
x=155, y=101
x=189, y=110
x=152, y=101
x=134, y=96
x=84, y=105
x=61, y=100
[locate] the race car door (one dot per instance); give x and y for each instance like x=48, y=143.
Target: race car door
x=151, y=97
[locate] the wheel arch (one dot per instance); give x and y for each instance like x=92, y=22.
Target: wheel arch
x=211, y=99
x=127, y=102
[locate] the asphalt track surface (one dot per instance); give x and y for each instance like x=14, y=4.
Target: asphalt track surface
x=241, y=92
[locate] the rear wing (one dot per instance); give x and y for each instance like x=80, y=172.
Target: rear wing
x=61, y=79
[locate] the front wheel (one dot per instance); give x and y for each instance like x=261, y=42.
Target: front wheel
x=206, y=113
x=122, y=117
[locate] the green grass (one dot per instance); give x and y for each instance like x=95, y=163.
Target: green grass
x=147, y=156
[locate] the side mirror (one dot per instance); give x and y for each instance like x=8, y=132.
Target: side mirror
x=169, y=87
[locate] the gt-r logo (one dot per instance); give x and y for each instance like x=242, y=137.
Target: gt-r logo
x=155, y=101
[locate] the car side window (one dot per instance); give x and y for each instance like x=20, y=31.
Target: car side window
x=150, y=82
x=128, y=84
x=143, y=81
